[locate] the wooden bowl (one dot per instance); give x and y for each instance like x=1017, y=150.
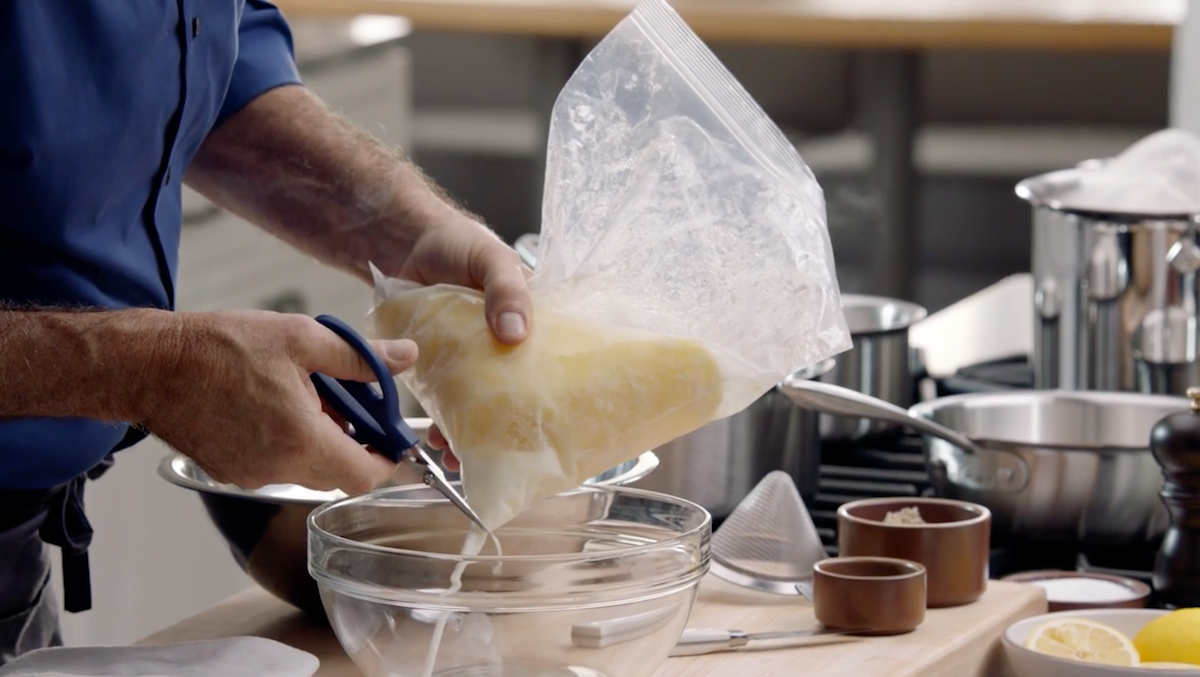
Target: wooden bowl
x=953, y=543
x=869, y=595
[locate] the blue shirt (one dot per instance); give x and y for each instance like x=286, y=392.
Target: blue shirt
x=103, y=104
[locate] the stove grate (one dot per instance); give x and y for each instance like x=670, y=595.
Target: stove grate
x=873, y=468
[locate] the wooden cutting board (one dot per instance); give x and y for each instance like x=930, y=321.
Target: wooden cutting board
x=958, y=642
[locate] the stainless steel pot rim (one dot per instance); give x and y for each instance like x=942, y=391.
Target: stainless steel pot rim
x=983, y=514
x=815, y=370
x=1035, y=190
x=183, y=472
x=880, y=314
x=1032, y=397
x=388, y=497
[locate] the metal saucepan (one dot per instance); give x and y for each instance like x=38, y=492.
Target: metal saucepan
x=718, y=464
x=265, y=527
x=1093, y=480
x=1082, y=470
x=879, y=364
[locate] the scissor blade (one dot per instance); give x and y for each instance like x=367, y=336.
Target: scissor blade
x=432, y=476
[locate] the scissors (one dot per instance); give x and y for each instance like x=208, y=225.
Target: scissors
x=375, y=418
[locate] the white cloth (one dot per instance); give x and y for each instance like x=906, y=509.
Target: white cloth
x=232, y=657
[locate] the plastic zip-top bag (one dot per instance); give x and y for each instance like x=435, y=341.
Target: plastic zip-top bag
x=684, y=268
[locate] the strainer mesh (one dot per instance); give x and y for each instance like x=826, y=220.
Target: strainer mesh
x=770, y=534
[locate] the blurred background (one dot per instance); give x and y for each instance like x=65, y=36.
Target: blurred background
x=469, y=107
x=989, y=119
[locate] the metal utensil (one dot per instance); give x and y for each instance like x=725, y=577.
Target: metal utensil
x=698, y=641
x=692, y=642
x=375, y=418
x=999, y=468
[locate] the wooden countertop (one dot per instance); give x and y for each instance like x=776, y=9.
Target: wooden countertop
x=1055, y=25
x=957, y=642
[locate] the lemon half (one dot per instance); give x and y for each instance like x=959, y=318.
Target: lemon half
x=1083, y=640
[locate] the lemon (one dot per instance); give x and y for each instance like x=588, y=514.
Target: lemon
x=1173, y=638
x=1083, y=640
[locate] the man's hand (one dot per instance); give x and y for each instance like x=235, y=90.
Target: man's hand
x=292, y=166
x=464, y=252
x=231, y=390
x=239, y=401
x=438, y=441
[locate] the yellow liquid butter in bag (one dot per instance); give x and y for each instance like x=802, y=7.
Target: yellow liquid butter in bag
x=575, y=399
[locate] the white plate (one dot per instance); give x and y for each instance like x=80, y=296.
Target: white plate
x=1026, y=663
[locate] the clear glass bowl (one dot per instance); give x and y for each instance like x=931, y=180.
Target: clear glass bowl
x=595, y=582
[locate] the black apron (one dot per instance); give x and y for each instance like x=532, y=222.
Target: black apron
x=28, y=608
x=29, y=519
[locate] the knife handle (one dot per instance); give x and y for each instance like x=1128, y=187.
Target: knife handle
x=605, y=633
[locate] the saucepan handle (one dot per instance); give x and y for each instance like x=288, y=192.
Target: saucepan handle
x=839, y=401
x=1010, y=474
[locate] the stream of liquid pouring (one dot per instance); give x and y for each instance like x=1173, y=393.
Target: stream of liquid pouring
x=472, y=545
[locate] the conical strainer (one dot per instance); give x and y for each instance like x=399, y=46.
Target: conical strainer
x=769, y=542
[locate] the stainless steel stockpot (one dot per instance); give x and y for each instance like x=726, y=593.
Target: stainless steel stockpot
x=879, y=364
x=1116, y=295
x=718, y=464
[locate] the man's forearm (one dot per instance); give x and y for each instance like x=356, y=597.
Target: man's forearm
x=289, y=164
x=99, y=365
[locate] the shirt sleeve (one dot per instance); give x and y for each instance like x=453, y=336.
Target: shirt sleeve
x=265, y=57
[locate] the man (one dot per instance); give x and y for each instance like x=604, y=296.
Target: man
x=105, y=106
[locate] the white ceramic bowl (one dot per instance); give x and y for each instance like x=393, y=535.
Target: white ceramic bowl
x=1026, y=663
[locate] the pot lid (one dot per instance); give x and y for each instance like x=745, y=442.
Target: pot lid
x=1157, y=178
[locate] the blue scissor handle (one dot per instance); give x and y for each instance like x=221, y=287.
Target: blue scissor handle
x=375, y=416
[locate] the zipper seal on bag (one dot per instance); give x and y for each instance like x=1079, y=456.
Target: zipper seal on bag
x=717, y=87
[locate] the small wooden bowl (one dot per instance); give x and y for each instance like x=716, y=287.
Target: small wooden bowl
x=1139, y=592
x=953, y=544
x=870, y=595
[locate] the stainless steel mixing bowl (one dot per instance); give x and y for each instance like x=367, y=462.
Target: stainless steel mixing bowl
x=265, y=528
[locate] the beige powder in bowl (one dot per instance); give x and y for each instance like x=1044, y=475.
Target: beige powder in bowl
x=909, y=515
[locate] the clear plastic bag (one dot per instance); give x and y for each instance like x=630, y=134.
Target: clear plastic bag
x=684, y=268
